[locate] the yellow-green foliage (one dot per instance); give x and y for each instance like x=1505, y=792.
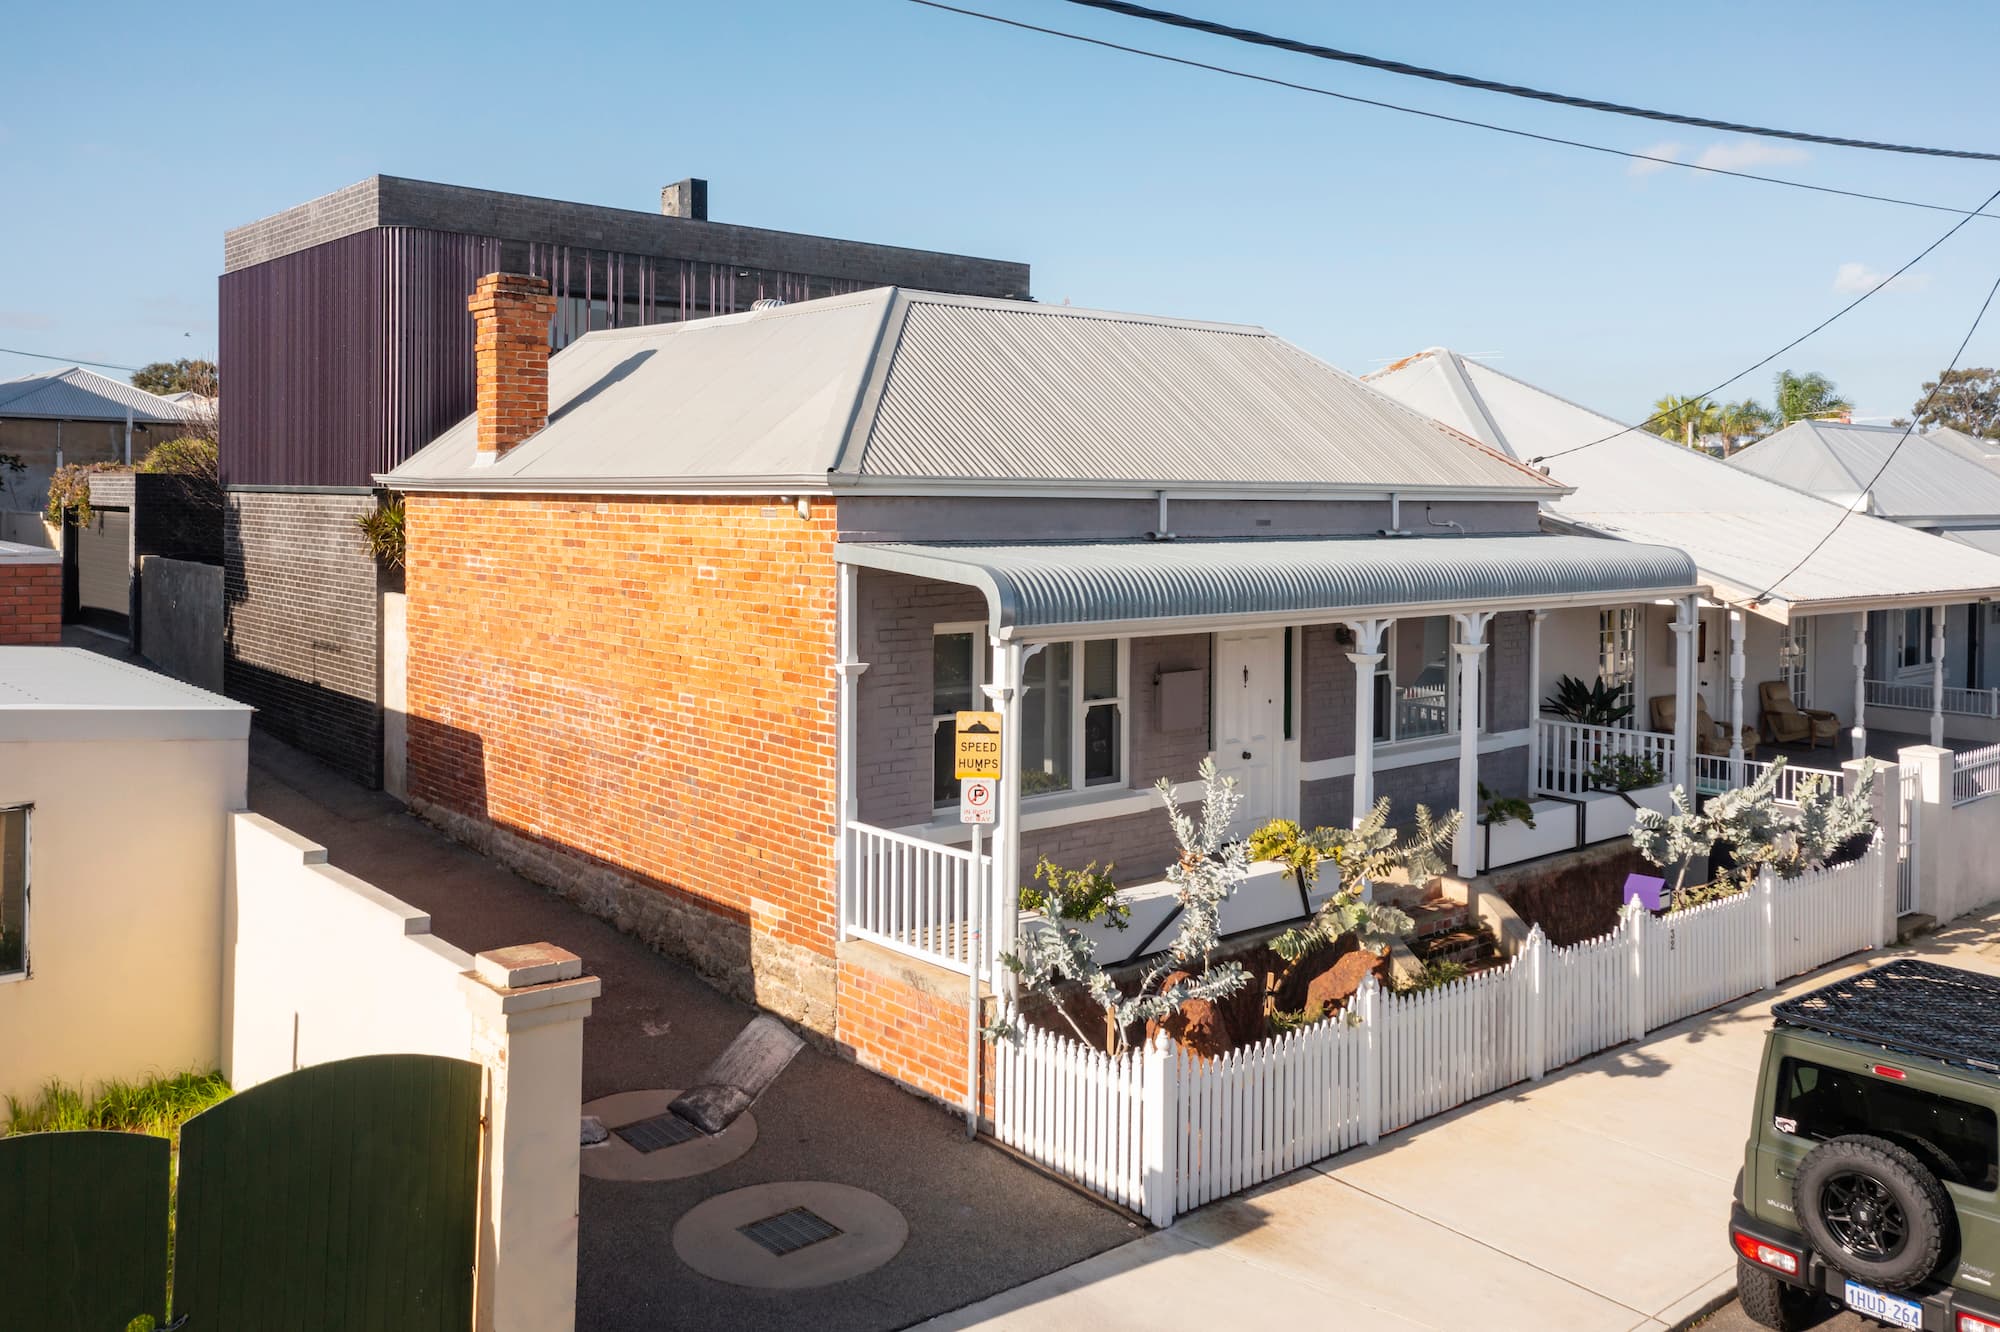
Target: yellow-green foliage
x=158, y=1107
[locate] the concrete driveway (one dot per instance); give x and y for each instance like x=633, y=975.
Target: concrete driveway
x=979, y=1221
x=1594, y=1201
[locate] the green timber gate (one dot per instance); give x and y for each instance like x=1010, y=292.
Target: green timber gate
x=339, y=1198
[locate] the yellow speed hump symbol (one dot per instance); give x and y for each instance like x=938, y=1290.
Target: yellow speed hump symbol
x=978, y=744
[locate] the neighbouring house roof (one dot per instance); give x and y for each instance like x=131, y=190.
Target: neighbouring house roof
x=1135, y=585
x=905, y=390
x=15, y=552
x=1743, y=530
x=68, y=694
x=77, y=394
x=1929, y=480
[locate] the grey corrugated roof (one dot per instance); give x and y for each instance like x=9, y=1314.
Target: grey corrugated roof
x=1111, y=585
x=900, y=388
x=1927, y=479
x=77, y=394
x=1744, y=531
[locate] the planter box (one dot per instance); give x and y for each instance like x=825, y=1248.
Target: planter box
x=1512, y=842
x=1267, y=897
x=1606, y=815
x=1659, y=798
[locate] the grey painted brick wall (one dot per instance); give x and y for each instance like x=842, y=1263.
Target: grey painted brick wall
x=1138, y=846
x=303, y=624
x=1175, y=755
x=393, y=201
x=895, y=620
x=1509, y=696
x=1326, y=712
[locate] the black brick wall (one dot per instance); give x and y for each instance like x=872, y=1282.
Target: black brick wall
x=303, y=610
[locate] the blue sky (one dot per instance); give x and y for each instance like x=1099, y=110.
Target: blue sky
x=138, y=134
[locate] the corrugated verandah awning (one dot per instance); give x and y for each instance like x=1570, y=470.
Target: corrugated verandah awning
x=1041, y=589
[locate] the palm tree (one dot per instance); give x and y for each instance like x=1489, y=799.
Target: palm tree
x=1808, y=397
x=1685, y=418
x=1737, y=421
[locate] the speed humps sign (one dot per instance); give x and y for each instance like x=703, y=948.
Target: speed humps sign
x=978, y=744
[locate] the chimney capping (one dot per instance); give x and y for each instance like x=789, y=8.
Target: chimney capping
x=685, y=198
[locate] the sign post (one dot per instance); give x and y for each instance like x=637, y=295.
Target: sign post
x=978, y=769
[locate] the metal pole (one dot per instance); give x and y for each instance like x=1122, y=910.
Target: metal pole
x=975, y=906
x=1937, y=676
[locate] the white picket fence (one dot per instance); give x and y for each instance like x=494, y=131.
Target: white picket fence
x=1975, y=774
x=1161, y=1131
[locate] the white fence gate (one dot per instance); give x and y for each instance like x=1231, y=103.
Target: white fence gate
x=1162, y=1131
x=1908, y=842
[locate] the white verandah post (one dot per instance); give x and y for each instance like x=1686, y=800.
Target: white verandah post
x=1937, y=676
x=1860, y=731
x=1004, y=885
x=1686, y=624
x=1471, y=649
x=1736, y=629
x=848, y=671
x=1367, y=655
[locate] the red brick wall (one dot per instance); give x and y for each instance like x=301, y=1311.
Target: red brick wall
x=906, y=1020
x=30, y=603
x=632, y=699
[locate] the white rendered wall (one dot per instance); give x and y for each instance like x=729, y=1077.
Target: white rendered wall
x=125, y=908
x=325, y=966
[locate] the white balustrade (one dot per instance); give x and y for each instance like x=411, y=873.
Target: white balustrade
x=919, y=897
x=1567, y=753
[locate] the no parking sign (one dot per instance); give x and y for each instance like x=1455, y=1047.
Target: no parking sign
x=976, y=798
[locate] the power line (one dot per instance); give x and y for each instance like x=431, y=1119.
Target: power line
x=68, y=360
x=1318, y=52
x=1318, y=91
x=1759, y=365
x=1901, y=440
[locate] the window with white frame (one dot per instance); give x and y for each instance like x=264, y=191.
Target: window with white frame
x=1793, y=650
x=1618, y=646
x=1913, y=638
x=958, y=669
x=14, y=891
x=1416, y=694
x=1072, y=711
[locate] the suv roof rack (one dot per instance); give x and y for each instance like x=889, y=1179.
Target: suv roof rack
x=1919, y=1007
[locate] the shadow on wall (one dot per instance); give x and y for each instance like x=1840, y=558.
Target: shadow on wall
x=340, y=730
x=447, y=787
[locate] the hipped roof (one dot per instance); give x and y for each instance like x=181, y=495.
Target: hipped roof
x=905, y=390
x=1743, y=530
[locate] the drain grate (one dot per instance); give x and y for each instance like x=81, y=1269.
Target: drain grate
x=788, y=1232
x=650, y=1135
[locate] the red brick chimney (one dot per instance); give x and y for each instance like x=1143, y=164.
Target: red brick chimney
x=511, y=313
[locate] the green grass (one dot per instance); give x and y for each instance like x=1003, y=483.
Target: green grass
x=158, y=1107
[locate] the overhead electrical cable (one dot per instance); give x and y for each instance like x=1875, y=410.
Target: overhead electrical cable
x=1759, y=365
x=1318, y=52
x=1901, y=440
x=68, y=360
x=1651, y=158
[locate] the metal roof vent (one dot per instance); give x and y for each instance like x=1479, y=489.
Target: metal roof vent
x=766, y=303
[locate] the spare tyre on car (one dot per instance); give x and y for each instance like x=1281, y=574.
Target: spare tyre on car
x=1874, y=1211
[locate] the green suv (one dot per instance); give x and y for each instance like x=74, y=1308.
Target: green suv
x=1875, y=1153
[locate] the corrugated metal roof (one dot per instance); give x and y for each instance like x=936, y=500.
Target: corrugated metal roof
x=77, y=394
x=1130, y=584
x=1979, y=538
x=1928, y=478
x=1743, y=530
x=890, y=386
x=58, y=693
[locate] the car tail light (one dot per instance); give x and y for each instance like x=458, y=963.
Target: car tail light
x=1884, y=1071
x=1771, y=1256
x=1974, y=1323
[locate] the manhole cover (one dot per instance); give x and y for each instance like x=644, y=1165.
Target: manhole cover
x=788, y=1232
x=644, y=1141
x=650, y=1135
x=790, y=1236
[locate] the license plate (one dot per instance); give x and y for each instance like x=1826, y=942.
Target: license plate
x=1890, y=1309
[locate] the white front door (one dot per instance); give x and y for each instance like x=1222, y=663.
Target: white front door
x=1249, y=719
